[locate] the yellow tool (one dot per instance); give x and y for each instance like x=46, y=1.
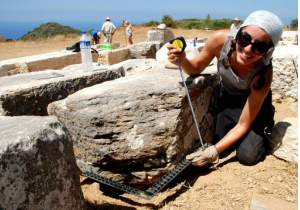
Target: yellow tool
x=179, y=43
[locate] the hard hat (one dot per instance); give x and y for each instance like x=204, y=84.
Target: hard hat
x=107, y=18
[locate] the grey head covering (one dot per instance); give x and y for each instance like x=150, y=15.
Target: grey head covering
x=270, y=23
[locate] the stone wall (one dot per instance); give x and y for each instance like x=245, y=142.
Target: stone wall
x=61, y=59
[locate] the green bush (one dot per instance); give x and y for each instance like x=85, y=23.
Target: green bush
x=294, y=24
x=151, y=23
x=168, y=20
x=194, y=23
x=204, y=23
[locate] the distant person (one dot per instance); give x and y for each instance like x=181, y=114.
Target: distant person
x=245, y=114
x=108, y=29
x=96, y=37
x=129, y=31
x=235, y=26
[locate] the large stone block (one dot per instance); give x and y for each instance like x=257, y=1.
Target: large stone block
x=144, y=49
x=113, y=56
x=53, y=60
x=284, y=140
x=137, y=127
x=161, y=35
x=285, y=67
x=30, y=93
x=37, y=165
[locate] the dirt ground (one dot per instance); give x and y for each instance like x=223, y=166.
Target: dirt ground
x=16, y=49
x=229, y=185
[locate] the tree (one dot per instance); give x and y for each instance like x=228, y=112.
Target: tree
x=208, y=22
x=208, y=18
x=294, y=24
x=168, y=20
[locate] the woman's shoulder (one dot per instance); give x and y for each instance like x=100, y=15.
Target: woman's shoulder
x=220, y=36
x=217, y=40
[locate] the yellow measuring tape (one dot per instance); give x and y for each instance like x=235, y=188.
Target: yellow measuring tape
x=179, y=43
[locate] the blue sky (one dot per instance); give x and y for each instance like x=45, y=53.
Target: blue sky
x=139, y=10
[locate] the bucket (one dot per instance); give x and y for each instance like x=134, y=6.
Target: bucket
x=106, y=46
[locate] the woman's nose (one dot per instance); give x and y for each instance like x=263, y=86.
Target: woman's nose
x=248, y=48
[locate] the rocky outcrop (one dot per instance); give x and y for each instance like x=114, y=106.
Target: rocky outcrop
x=37, y=165
x=138, y=127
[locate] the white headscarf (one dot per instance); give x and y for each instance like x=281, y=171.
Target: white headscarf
x=270, y=23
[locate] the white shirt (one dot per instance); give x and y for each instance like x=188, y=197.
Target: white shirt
x=108, y=27
x=234, y=29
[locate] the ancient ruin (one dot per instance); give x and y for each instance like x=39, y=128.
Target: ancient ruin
x=128, y=116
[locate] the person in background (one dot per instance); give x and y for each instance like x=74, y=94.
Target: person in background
x=96, y=37
x=108, y=29
x=235, y=26
x=245, y=112
x=129, y=31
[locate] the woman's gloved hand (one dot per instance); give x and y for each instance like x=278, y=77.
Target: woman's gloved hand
x=203, y=157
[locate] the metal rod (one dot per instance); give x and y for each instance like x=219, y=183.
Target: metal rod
x=191, y=107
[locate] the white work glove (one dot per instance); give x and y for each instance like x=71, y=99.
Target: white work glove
x=203, y=157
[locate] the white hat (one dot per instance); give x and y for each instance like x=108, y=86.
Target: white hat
x=107, y=18
x=162, y=26
x=270, y=23
x=236, y=19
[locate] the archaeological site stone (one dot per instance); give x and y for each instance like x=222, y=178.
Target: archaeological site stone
x=161, y=35
x=137, y=128
x=37, y=165
x=30, y=93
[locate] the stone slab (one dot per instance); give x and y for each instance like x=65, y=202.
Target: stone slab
x=53, y=60
x=265, y=202
x=284, y=140
x=30, y=93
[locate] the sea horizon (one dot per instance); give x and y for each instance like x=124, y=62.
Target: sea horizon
x=16, y=29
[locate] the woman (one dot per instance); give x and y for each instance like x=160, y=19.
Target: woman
x=129, y=31
x=245, y=72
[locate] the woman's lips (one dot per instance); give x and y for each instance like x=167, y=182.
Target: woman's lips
x=244, y=56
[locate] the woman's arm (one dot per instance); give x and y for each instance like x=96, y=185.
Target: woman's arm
x=249, y=112
x=210, y=50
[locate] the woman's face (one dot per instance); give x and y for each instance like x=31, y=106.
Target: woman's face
x=247, y=53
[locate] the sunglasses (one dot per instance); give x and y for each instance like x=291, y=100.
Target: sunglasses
x=243, y=39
